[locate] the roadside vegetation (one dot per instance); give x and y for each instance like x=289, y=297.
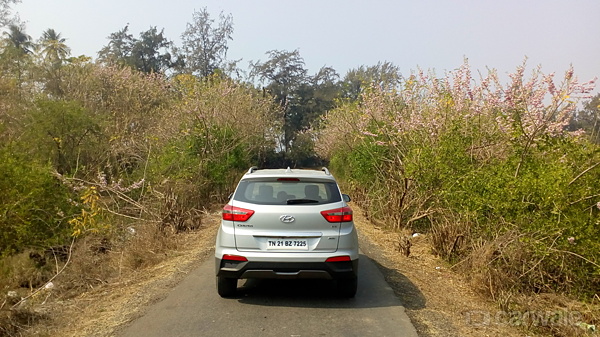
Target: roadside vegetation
x=495, y=173
x=105, y=162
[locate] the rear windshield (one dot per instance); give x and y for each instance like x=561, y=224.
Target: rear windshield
x=287, y=192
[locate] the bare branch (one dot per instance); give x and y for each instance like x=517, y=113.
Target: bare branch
x=584, y=172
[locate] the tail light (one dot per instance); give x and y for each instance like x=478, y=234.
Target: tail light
x=232, y=213
x=342, y=258
x=343, y=214
x=229, y=257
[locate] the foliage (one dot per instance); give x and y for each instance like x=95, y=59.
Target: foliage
x=204, y=46
x=5, y=11
x=34, y=205
x=303, y=100
x=384, y=75
x=53, y=53
x=222, y=128
x=148, y=54
x=126, y=145
x=505, y=177
x=486, y=160
x=54, y=49
x=15, y=55
x=588, y=119
x=128, y=105
x=17, y=39
x=87, y=221
x=64, y=133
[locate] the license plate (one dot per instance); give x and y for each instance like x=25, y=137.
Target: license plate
x=287, y=244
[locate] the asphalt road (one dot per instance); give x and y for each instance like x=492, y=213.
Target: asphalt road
x=275, y=308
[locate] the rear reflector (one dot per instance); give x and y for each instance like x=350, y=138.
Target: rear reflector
x=343, y=214
x=343, y=258
x=230, y=257
x=233, y=213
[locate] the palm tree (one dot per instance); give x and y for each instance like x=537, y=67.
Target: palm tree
x=16, y=38
x=54, y=51
x=17, y=50
x=53, y=47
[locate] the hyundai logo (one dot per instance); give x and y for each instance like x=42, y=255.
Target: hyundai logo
x=287, y=218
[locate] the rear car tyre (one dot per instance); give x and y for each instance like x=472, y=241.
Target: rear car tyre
x=347, y=287
x=226, y=287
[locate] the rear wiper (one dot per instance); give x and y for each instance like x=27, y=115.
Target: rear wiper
x=302, y=201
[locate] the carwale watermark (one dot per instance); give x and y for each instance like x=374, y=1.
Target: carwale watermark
x=537, y=318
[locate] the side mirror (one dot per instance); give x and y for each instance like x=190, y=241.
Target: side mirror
x=346, y=197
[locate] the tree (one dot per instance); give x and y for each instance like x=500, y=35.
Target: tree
x=16, y=51
x=17, y=39
x=384, y=75
x=310, y=100
x=65, y=132
x=118, y=50
x=205, y=46
x=588, y=119
x=283, y=74
x=148, y=54
x=5, y=18
x=54, y=49
x=303, y=100
x=54, y=52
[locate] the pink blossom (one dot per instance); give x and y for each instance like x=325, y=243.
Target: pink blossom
x=524, y=110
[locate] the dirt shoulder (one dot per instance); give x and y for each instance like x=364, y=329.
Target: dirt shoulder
x=101, y=312
x=437, y=300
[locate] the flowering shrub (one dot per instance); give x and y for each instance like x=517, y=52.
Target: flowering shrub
x=483, y=158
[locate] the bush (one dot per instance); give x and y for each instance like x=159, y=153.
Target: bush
x=35, y=206
x=490, y=170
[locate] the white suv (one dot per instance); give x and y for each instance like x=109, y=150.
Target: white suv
x=287, y=224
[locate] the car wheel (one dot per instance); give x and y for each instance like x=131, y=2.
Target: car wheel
x=226, y=287
x=347, y=287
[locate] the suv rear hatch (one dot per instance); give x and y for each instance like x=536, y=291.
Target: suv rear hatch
x=287, y=215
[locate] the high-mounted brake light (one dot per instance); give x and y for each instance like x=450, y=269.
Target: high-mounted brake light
x=339, y=259
x=343, y=214
x=232, y=213
x=230, y=257
x=288, y=179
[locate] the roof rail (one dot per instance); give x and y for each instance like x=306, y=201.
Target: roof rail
x=324, y=169
x=252, y=169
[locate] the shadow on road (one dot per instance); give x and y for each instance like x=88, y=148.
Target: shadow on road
x=373, y=291
x=409, y=294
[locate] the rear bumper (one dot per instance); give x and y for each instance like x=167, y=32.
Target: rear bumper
x=287, y=270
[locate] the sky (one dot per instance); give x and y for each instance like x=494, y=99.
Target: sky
x=345, y=34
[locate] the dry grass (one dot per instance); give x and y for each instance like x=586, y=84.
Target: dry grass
x=147, y=272
x=471, y=298
x=99, y=288
x=437, y=299
x=501, y=267
x=441, y=301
